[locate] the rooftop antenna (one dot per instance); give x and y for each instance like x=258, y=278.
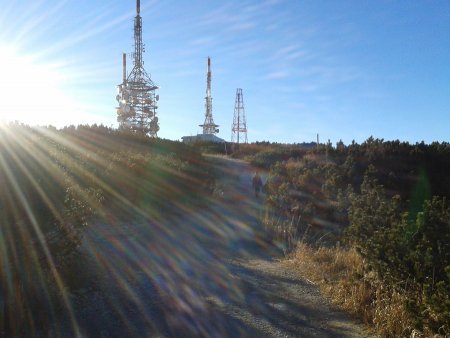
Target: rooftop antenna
x=124, y=71
x=137, y=96
x=209, y=127
x=239, y=127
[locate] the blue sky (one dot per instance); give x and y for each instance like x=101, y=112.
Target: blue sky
x=344, y=69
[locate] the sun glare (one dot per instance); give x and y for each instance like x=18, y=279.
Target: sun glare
x=33, y=92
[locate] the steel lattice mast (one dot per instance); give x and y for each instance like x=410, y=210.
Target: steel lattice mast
x=239, y=127
x=137, y=93
x=209, y=127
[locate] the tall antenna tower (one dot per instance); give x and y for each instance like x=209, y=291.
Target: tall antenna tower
x=209, y=127
x=239, y=127
x=137, y=93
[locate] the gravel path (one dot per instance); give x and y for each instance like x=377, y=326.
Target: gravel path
x=206, y=274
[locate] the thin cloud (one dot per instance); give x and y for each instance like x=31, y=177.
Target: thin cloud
x=290, y=53
x=91, y=29
x=242, y=26
x=309, y=88
x=277, y=75
x=201, y=41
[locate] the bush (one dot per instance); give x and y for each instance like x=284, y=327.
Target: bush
x=409, y=254
x=386, y=199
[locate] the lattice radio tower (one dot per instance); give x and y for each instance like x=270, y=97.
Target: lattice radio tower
x=239, y=127
x=137, y=93
x=209, y=127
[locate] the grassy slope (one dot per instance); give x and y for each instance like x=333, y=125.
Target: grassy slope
x=54, y=183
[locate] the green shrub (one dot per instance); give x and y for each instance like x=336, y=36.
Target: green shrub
x=387, y=199
x=411, y=254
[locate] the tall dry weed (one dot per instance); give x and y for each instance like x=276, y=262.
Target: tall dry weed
x=341, y=275
x=285, y=233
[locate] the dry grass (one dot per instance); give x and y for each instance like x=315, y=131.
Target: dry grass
x=285, y=233
x=341, y=276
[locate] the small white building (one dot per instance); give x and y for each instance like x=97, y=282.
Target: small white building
x=202, y=138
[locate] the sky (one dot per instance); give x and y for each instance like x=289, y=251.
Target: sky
x=346, y=70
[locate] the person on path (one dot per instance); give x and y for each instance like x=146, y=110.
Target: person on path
x=257, y=183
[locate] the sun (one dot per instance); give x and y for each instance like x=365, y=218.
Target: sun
x=32, y=92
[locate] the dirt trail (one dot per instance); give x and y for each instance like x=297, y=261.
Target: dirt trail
x=278, y=302
x=208, y=274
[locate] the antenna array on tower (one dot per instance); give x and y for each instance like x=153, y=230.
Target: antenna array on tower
x=209, y=127
x=137, y=93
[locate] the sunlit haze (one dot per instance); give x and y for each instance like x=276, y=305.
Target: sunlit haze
x=35, y=93
x=110, y=226
x=345, y=71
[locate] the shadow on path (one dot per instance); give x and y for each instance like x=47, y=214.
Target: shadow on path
x=203, y=274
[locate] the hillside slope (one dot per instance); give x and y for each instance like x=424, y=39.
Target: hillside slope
x=198, y=273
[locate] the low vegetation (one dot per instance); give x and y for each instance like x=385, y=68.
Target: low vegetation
x=55, y=183
x=368, y=222
x=265, y=154
x=342, y=275
x=383, y=208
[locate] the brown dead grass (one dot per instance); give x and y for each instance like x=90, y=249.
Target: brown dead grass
x=341, y=276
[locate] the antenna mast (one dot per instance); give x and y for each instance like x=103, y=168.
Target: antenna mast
x=209, y=127
x=239, y=127
x=137, y=93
